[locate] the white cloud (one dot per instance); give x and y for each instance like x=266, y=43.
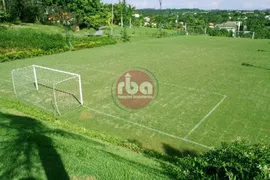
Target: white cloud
x=214, y=5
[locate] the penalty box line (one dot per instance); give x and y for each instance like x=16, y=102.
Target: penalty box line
x=148, y=128
x=209, y=113
x=191, y=89
x=205, y=117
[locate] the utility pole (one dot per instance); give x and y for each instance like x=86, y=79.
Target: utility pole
x=185, y=27
x=160, y=8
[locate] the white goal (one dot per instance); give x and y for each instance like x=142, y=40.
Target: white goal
x=51, y=89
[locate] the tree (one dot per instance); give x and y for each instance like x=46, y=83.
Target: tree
x=4, y=6
x=130, y=11
x=24, y=10
x=3, y=11
x=90, y=13
x=121, y=5
x=257, y=25
x=125, y=36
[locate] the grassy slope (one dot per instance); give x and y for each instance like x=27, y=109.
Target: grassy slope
x=47, y=28
x=30, y=148
x=136, y=31
x=203, y=63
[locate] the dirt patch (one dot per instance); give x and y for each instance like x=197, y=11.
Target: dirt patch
x=86, y=115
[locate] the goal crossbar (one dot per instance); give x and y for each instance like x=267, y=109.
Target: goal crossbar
x=56, y=70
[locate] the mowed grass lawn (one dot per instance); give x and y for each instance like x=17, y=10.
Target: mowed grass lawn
x=31, y=149
x=204, y=91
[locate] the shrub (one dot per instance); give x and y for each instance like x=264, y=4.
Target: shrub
x=29, y=38
x=237, y=160
x=27, y=43
x=220, y=32
x=28, y=53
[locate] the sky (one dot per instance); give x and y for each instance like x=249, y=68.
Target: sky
x=201, y=4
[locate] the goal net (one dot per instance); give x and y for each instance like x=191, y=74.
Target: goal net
x=244, y=34
x=51, y=89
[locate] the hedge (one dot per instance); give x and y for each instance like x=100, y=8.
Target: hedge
x=29, y=38
x=28, y=53
x=27, y=43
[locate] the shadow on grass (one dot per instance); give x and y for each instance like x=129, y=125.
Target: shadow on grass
x=171, y=151
x=26, y=144
x=61, y=91
x=24, y=139
x=263, y=50
x=170, y=160
x=254, y=66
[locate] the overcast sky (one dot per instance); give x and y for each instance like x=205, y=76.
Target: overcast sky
x=201, y=4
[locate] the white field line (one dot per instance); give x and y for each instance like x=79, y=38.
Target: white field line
x=205, y=117
x=148, y=128
x=191, y=89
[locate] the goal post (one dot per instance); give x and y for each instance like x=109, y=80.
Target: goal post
x=51, y=89
x=244, y=34
x=60, y=71
x=35, y=76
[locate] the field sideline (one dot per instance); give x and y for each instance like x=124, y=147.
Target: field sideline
x=205, y=94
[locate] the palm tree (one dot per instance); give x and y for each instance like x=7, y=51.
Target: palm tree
x=121, y=10
x=131, y=10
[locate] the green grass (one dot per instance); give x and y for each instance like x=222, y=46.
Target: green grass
x=30, y=39
x=59, y=29
x=194, y=74
x=36, y=150
x=138, y=31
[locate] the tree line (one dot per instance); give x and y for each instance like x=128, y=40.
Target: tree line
x=199, y=20
x=94, y=14
x=84, y=13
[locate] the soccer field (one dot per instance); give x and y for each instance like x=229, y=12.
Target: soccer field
x=206, y=96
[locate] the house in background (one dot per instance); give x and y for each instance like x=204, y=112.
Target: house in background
x=147, y=21
x=230, y=26
x=211, y=25
x=136, y=15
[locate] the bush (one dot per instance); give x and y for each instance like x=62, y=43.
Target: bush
x=238, y=160
x=28, y=53
x=29, y=38
x=27, y=43
x=220, y=32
